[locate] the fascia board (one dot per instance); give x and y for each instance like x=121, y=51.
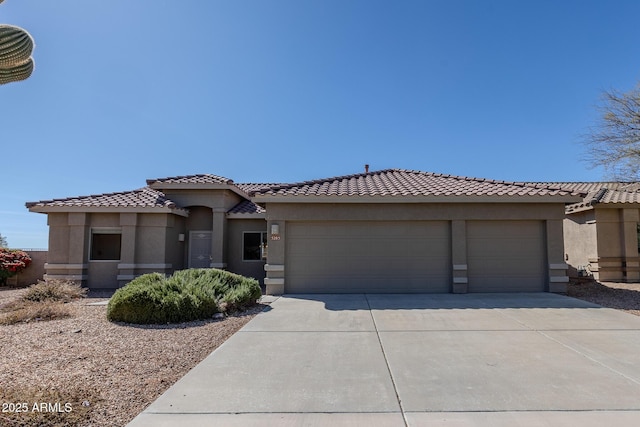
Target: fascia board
x=415, y=199
x=190, y=186
x=107, y=209
x=246, y=215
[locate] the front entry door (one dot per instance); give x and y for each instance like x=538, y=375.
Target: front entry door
x=200, y=249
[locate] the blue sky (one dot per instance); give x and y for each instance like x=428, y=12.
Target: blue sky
x=294, y=90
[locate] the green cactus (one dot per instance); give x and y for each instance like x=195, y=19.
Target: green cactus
x=16, y=46
x=16, y=73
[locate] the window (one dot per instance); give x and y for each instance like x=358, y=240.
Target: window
x=254, y=246
x=106, y=244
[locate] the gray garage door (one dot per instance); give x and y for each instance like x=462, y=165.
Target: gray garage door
x=368, y=256
x=506, y=256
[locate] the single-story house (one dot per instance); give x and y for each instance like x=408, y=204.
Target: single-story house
x=602, y=231
x=394, y=231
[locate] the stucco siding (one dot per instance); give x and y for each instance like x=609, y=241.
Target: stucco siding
x=580, y=240
x=150, y=244
x=413, y=211
x=235, y=263
x=102, y=274
x=58, y=238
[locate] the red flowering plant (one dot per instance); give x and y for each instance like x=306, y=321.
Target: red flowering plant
x=12, y=262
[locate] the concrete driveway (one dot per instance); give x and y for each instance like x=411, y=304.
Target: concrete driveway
x=416, y=360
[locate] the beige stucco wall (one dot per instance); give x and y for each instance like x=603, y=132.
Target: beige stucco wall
x=236, y=228
x=222, y=200
x=414, y=211
x=617, y=252
x=552, y=215
x=200, y=218
x=58, y=237
x=34, y=272
x=175, y=248
x=580, y=240
x=146, y=247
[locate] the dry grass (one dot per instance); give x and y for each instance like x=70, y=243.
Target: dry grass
x=107, y=372
x=42, y=301
x=53, y=290
x=28, y=311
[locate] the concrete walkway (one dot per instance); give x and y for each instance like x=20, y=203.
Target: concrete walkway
x=416, y=360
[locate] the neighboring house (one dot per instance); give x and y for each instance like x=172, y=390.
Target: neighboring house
x=602, y=232
x=386, y=231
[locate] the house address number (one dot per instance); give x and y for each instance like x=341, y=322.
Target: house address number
x=275, y=237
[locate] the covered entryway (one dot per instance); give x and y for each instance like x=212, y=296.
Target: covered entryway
x=368, y=256
x=506, y=256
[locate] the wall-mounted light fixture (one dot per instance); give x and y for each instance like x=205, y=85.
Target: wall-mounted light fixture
x=181, y=237
x=275, y=229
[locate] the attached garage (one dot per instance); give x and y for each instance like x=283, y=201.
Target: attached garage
x=368, y=256
x=399, y=231
x=506, y=256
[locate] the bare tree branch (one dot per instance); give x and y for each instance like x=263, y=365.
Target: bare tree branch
x=614, y=143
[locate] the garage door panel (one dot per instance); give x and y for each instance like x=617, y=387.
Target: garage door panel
x=506, y=256
x=368, y=256
x=522, y=247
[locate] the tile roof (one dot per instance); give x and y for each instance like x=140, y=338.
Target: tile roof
x=400, y=182
x=586, y=187
x=247, y=207
x=141, y=198
x=192, y=179
x=605, y=195
x=251, y=187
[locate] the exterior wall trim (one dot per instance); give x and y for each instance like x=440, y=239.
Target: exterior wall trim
x=558, y=267
x=75, y=277
x=274, y=267
x=144, y=266
x=49, y=266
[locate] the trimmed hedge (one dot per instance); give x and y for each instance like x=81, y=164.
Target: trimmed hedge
x=186, y=295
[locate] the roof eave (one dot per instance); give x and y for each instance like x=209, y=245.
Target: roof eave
x=262, y=198
x=163, y=186
x=262, y=215
x=107, y=209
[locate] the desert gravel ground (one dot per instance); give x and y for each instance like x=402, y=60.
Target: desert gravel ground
x=111, y=372
x=621, y=296
x=114, y=370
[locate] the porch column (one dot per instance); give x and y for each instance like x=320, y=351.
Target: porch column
x=459, y=256
x=76, y=267
x=218, y=238
x=629, y=219
x=557, y=268
x=126, y=267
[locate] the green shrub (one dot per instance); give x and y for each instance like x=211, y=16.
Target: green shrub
x=187, y=295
